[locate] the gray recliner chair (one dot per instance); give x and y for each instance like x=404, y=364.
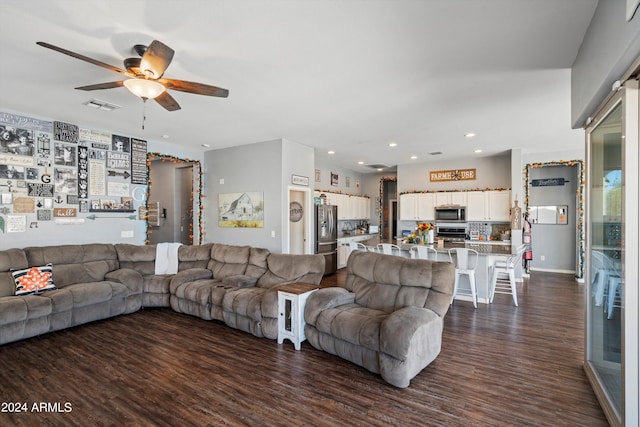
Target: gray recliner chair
x=389, y=319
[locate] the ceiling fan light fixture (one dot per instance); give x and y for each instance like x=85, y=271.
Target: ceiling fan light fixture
x=143, y=88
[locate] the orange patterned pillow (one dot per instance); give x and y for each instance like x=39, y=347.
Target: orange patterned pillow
x=34, y=280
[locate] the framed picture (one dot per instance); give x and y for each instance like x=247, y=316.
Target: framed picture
x=334, y=179
x=318, y=175
x=241, y=210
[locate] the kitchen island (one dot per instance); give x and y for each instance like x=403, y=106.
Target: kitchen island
x=488, y=253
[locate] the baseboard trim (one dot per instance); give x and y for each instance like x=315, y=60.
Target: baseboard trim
x=553, y=270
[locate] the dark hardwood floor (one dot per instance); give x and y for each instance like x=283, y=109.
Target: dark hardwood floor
x=500, y=365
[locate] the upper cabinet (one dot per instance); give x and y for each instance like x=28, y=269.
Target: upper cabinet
x=488, y=205
x=349, y=207
x=417, y=207
x=451, y=198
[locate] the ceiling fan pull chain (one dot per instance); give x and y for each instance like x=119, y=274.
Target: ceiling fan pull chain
x=144, y=111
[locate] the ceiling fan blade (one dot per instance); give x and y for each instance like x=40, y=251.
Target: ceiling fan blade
x=99, y=86
x=167, y=101
x=192, y=87
x=156, y=59
x=85, y=58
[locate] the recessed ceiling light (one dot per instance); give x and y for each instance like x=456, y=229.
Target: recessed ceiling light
x=379, y=169
x=477, y=151
x=414, y=157
x=205, y=145
x=393, y=144
x=165, y=136
x=361, y=162
x=331, y=152
x=469, y=135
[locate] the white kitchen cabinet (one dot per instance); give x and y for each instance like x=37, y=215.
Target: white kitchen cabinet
x=451, y=198
x=499, y=205
x=343, y=253
x=409, y=207
x=476, y=206
x=458, y=198
x=349, y=207
x=488, y=205
x=426, y=205
x=417, y=207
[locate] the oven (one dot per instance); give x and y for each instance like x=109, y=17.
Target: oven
x=452, y=232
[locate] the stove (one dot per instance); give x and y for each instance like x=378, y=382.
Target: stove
x=452, y=232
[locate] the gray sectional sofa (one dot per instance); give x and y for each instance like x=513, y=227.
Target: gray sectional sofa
x=98, y=281
x=389, y=319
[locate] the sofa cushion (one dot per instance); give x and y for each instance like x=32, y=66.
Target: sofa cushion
x=353, y=323
x=194, y=256
x=387, y=282
x=285, y=268
x=228, y=260
x=34, y=280
x=21, y=308
x=140, y=258
x=10, y=259
x=75, y=263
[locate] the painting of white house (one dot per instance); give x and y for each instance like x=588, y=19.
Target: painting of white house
x=241, y=210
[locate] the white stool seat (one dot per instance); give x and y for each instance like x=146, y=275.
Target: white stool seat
x=389, y=249
x=503, y=279
x=466, y=263
x=423, y=252
x=357, y=246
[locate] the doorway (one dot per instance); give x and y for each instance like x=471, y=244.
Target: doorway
x=393, y=220
x=299, y=221
x=173, y=200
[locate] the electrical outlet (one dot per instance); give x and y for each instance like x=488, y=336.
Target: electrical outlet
x=542, y=258
x=126, y=233
x=273, y=233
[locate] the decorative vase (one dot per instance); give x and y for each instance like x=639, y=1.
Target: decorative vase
x=431, y=237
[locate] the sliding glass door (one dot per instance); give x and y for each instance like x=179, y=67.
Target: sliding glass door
x=612, y=296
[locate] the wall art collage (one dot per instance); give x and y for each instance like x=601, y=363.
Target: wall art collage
x=55, y=171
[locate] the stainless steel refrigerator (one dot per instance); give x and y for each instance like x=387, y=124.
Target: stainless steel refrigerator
x=326, y=236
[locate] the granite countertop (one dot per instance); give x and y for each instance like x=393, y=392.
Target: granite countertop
x=483, y=248
x=342, y=235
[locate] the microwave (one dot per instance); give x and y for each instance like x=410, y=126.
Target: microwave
x=451, y=213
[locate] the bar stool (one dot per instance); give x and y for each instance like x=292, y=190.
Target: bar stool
x=389, y=249
x=466, y=263
x=357, y=246
x=503, y=279
x=423, y=252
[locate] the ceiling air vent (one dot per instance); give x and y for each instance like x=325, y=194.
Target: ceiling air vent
x=377, y=166
x=101, y=105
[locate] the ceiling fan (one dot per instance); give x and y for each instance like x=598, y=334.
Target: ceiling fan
x=145, y=75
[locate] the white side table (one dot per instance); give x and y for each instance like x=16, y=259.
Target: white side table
x=291, y=301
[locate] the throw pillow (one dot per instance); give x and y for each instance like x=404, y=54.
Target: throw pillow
x=34, y=280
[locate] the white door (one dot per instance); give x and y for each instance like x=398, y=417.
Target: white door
x=297, y=221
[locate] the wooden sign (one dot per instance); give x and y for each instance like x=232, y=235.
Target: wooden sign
x=548, y=182
x=64, y=212
x=453, y=175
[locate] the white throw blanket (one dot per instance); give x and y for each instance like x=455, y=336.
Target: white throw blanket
x=167, y=258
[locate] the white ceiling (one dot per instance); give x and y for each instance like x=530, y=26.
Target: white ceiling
x=344, y=75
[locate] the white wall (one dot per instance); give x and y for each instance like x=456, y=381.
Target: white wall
x=491, y=172
x=355, y=179
x=265, y=167
x=608, y=49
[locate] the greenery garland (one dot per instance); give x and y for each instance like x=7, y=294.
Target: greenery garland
x=198, y=193
x=381, y=201
x=579, y=208
x=453, y=191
